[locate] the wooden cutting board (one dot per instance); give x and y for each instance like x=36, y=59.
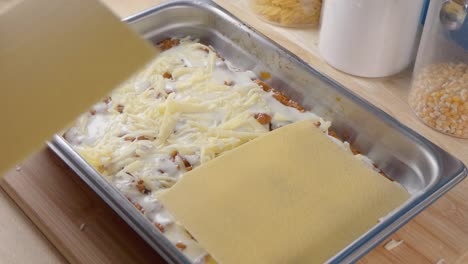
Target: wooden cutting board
x=86, y=230
x=71, y=215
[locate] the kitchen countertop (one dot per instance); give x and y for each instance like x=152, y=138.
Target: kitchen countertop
x=22, y=242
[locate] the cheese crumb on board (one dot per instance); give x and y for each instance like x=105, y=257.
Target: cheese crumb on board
x=390, y=245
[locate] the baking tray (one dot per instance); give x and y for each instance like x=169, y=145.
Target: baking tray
x=424, y=169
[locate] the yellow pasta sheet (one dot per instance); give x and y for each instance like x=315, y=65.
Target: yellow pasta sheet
x=291, y=196
x=57, y=58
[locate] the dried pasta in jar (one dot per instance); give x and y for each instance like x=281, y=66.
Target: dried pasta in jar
x=288, y=12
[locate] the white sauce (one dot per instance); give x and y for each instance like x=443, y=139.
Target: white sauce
x=200, y=119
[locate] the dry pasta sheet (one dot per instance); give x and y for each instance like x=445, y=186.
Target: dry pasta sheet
x=55, y=63
x=290, y=196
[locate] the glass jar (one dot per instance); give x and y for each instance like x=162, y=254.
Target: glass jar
x=439, y=89
x=291, y=13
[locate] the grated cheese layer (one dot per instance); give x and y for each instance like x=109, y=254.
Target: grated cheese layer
x=187, y=107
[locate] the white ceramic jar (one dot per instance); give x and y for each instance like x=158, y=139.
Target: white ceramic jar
x=370, y=38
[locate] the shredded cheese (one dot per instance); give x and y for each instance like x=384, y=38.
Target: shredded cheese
x=187, y=107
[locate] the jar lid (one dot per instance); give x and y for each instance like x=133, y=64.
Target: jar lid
x=453, y=13
x=453, y=17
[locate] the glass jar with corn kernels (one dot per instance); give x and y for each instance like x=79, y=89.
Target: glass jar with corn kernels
x=439, y=89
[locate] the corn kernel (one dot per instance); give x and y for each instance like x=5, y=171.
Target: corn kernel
x=440, y=98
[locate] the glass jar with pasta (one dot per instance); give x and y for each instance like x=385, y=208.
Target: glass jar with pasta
x=291, y=13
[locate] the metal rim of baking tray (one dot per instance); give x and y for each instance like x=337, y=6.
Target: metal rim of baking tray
x=119, y=203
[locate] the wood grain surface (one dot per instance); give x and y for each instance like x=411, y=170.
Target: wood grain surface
x=71, y=215
x=59, y=203
x=21, y=241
